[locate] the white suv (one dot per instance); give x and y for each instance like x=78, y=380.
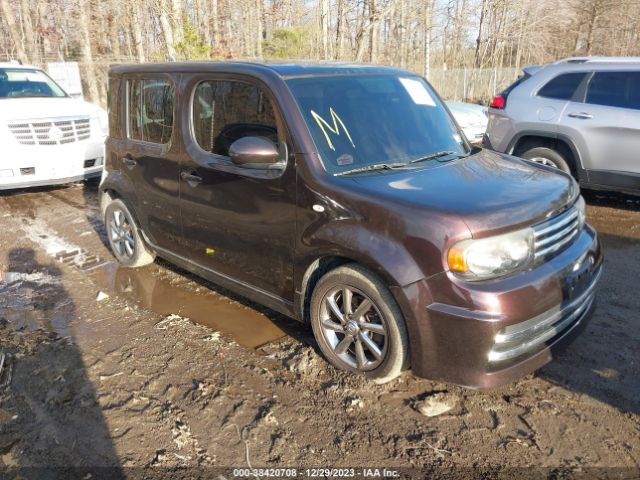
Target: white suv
x=47, y=137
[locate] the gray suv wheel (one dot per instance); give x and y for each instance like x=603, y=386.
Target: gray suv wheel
x=547, y=156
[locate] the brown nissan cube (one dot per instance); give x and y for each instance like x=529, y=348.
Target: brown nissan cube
x=346, y=196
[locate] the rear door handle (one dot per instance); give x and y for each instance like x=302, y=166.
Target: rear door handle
x=191, y=178
x=582, y=115
x=129, y=162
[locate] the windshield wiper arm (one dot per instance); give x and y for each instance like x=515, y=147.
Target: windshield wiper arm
x=433, y=156
x=372, y=168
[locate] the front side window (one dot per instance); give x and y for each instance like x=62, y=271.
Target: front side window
x=563, y=86
x=150, y=110
x=225, y=111
x=366, y=120
x=27, y=83
x=615, y=89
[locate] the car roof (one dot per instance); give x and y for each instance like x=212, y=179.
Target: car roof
x=585, y=64
x=282, y=69
x=17, y=66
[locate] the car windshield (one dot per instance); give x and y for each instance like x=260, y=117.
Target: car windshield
x=369, y=120
x=24, y=82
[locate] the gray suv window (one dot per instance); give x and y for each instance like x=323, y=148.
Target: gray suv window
x=562, y=87
x=615, y=89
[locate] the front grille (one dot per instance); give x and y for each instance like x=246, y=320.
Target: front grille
x=51, y=132
x=524, y=337
x=552, y=235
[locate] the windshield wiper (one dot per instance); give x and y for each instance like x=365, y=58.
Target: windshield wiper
x=433, y=156
x=372, y=168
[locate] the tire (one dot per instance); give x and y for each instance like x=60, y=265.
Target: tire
x=124, y=239
x=547, y=156
x=380, y=357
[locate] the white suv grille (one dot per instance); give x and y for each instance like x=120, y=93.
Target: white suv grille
x=51, y=132
x=553, y=234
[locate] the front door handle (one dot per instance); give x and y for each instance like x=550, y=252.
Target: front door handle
x=129, y=162
x=191, y=178
x=581, y=115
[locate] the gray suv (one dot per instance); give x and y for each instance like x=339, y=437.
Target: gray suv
x=581, y=115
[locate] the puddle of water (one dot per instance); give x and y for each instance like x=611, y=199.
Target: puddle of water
x=144, y=287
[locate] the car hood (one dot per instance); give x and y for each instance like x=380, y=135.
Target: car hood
x=32, y=108
x=488, y=191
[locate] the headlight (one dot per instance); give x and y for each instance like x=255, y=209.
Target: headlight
x=582, y=212
x=492, y=257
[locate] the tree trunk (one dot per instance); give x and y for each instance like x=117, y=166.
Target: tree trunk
x=14, y=30
x=340, y=31
x=428, y=16
x=167, y=31
x=136, y=28
x=87, y=54
x=259, y=27
x=177, y=20
x=476, y=56
x=375, y=31
x=29, y=35
x=215, y=29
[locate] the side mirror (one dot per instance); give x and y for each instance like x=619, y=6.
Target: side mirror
x=254, y=152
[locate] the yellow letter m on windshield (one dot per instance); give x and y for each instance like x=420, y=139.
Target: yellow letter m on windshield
x=335, y=129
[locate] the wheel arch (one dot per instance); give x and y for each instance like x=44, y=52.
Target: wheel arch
x=560, y=143
x=320, y=265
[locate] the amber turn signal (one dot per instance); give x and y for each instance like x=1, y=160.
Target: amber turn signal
x=456, y=261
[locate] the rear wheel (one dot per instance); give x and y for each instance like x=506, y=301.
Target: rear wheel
x=125, y=240
x=358, y=324
x=547, y=156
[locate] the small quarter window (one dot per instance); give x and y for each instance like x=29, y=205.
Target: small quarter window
x=150, y=110
x=224, y=111
x=562, y=87
x=615, y=89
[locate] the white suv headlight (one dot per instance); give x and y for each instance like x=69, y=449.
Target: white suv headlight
x=479, y=259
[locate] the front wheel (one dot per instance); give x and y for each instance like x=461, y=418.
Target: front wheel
x=358, y=325
x=547, y=156
x=125, y=240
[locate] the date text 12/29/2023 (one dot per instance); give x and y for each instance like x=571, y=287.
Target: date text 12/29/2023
x=314, y=473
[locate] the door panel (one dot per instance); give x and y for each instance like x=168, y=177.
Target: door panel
x=607, y=124
x=149, y=160
x=238, y=222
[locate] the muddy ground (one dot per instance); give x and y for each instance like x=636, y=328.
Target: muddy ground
x=155, y=368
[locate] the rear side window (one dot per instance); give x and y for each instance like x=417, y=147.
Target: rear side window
x=150, y=110
x=521, y=79
x=563, y=86
x=615, y=89
x=224, y=111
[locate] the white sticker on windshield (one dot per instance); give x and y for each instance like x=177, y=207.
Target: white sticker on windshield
x=35, y=77
x=419, y=94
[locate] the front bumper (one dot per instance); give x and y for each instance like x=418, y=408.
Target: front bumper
x=486, y=334
x=29, y=166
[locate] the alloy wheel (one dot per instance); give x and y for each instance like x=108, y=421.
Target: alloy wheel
x=121, y=235
x=353, y=327
x=544, y=161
